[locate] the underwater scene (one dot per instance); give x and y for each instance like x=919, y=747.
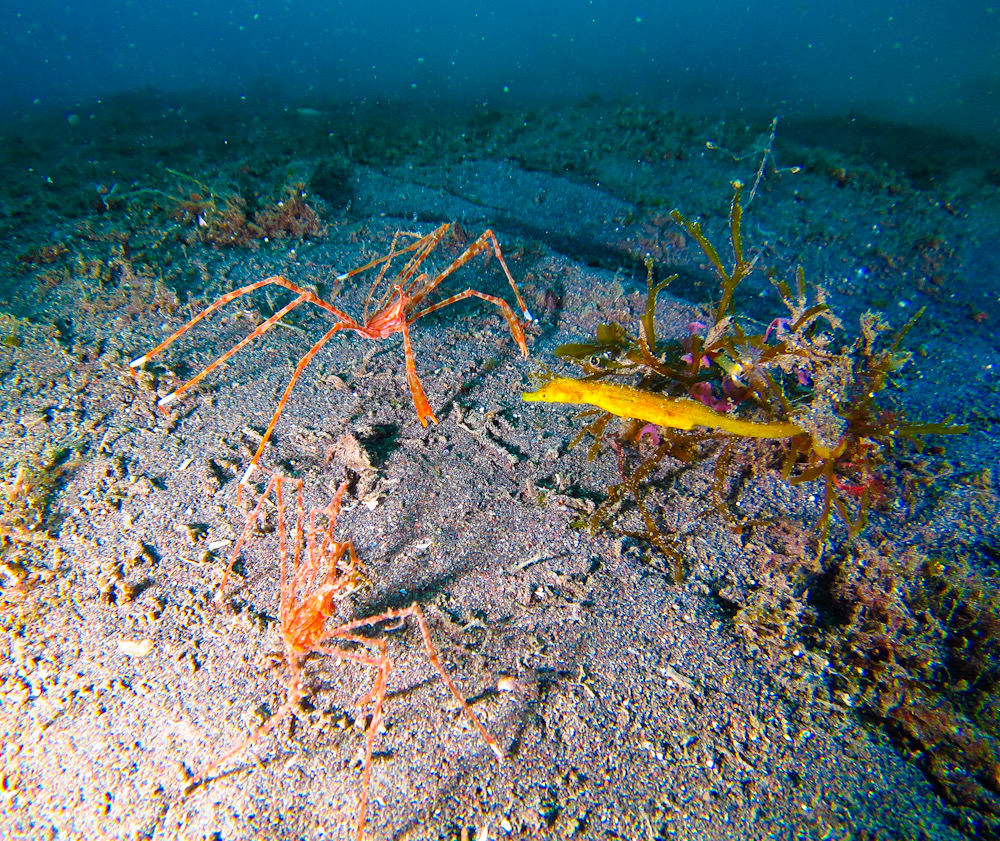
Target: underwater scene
x=438, y=421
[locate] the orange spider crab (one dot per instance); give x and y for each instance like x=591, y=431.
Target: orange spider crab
x=392, y=306
x=316, y=571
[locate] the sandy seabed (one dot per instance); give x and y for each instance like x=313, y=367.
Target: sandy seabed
x=627, y=706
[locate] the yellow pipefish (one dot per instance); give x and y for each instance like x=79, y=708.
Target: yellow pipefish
x=676, y=412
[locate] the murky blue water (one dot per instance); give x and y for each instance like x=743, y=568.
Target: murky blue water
x=919, y=62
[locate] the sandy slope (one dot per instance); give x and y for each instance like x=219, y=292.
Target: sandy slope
x=635, y=711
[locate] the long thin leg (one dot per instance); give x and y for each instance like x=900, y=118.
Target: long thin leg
x=510, y=278
x=516, y=330
x=432, y=655
x=415, y=611
x=274, y=481
x=276, y=280
x=420, y=401
x=167, y=399
x=305, y=360
x=482, y=245
x=423, y=245
x=378, y=690
x=375, y=696
x=406, y=249
x=292, y=696
x=422, y=248
x=332, y=513
x=426, y=245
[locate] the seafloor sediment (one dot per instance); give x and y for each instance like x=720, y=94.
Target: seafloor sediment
x=775, y=691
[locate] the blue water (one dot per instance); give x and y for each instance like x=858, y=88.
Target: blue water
x=921, y=62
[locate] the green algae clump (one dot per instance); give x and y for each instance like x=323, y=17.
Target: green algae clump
x=825, y=407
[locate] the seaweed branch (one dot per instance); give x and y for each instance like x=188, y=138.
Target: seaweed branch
x=823, y=410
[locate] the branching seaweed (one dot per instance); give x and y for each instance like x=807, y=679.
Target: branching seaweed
x=223, y=221
x=908, y=641
x=825, y=408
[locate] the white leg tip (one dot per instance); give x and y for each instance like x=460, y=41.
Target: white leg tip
x=166, y=401
x=246, y=474
x=137, y=363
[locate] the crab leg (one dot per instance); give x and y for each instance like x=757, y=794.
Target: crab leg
x=305, y=360
x=415, y=611
x=516, y=330
x=276, y=280
x=480, y=246
x=420, y=401
x=167, y=399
